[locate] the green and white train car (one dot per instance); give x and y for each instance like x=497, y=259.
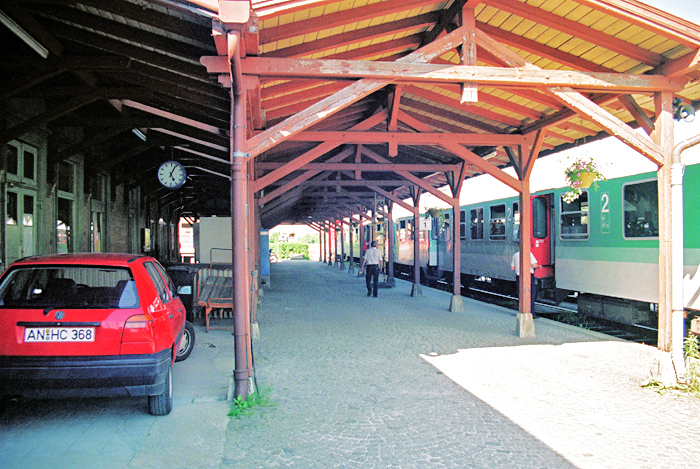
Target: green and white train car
x=603, y=246
x=613, y=260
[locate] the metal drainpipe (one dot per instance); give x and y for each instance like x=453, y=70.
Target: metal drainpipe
x=677, y=299
x=242, y=373
x=3, y=215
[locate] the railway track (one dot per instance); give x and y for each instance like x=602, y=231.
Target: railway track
x=566, y=313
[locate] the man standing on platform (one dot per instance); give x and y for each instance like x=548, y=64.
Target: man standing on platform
x=372, y=259
x=515, y=265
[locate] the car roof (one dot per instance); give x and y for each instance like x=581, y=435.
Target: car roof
x=94, y=258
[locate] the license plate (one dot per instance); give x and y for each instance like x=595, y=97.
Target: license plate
x=59, y=334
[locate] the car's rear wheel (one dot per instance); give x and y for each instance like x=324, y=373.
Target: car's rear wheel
x=186, y=343
x=162, y=404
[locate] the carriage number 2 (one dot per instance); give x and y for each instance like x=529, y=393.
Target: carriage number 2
x=604, y=213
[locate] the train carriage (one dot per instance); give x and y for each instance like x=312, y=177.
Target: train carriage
x=603, y=246
x=404, y=233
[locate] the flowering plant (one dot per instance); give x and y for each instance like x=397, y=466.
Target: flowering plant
x=435, y=212
x=581, y=174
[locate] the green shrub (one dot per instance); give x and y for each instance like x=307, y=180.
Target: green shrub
x=285, y=250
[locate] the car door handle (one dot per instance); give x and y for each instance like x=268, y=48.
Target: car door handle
x=171, y=316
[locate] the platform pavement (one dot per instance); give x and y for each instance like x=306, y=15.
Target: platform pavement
x=393, y=381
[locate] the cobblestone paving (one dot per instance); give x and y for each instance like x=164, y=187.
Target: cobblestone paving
x=388, y=382
x=401, y=382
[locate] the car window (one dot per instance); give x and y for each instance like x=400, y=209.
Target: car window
x=158, y=282
x=69, y=286
x=168, y=282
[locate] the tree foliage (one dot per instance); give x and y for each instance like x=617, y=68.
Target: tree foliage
x=286, y=250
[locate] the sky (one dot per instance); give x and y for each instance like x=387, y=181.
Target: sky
x=686, y=9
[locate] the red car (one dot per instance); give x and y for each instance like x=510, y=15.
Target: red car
x=91, y=325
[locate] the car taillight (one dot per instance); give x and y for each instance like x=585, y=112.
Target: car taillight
x=139, y=328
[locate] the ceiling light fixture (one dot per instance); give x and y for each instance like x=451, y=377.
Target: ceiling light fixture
x=139, y=134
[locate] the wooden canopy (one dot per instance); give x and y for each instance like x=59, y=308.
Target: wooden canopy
x=398, y=94
x=348, y=98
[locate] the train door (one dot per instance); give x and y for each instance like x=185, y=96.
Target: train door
x=432, y=241
x=541, y=236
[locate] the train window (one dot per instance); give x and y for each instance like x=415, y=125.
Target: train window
x=445, y=230
x=539, y=218
x=516, y=221
x=463, y=224
x=641, y=209
x=402, y=230
x=477, y=224
x=574, y=217
x=497, y=222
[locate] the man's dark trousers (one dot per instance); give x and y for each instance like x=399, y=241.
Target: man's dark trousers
x=372, y=278
x=533, y=290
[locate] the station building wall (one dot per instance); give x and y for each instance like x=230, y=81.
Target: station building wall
x=53, y=207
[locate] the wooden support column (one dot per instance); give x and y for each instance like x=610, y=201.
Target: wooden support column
x=336, y=250
x=523, y=164
x=456, y=304
x=663, y=136
x=335, y=241
x=331, y=232
x=342, y=244
x=322, y=245
x=331, y=245
x=416, y=290
x=351, y=267
x=390, y=245
x=525, y=325
x=243, y=368
x=326, y=246
x=362, y=240
x=456, y=181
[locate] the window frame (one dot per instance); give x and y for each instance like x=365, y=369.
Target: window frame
x=21, y=177
x=583, y=214
x=479, y=223
x=541, y=216
x=160, y=285
x=624, y=222
x=492, y=221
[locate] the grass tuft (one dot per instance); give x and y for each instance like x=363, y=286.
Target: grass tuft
x=257, y=398
x=692, y=372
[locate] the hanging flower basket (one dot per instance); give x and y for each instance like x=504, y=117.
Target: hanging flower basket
x=433, y=212
x=581, y=175
x=586, y=178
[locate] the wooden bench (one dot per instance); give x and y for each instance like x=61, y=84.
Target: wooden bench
x=215, y=291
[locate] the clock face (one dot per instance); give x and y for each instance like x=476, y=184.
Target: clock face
x=171, y=174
